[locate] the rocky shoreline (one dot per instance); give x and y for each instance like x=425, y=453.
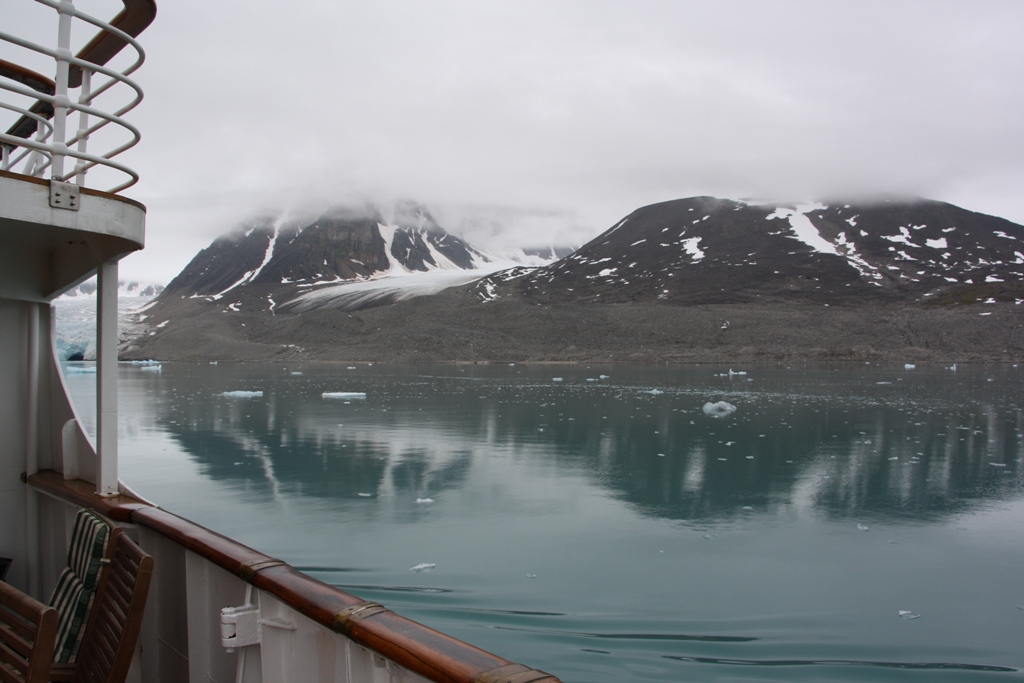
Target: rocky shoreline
x=456, y=326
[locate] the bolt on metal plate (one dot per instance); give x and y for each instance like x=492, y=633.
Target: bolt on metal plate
x=64, y=195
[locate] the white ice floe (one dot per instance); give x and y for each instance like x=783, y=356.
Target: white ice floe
x=907, y=614
x=152, y=368
x=909, y=366
x=863, y=527
x=78, y=370
x=556, y=379
x=422, y=567
x=423, y=501
x=720, y=409
x=343, y=394
x=241, y=394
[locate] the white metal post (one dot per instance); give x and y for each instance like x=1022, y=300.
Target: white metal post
x=61, y=103
x=32, y=448
x=106, y=380
x=83, y=125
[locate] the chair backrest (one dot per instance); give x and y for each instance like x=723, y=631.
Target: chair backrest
x=76, y=586
x=28, y=630
x=116, y=618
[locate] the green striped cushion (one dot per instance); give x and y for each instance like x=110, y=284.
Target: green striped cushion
x=88, y=546
x=72, y=603
x=73, y=595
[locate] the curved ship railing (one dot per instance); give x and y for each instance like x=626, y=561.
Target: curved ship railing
x=217, y=610
x=33, y=144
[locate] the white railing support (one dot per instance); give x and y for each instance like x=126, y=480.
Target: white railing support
x=83, y=126
x=61, y=101
x=106, y=380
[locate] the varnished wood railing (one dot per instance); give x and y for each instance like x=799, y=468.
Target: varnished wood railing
x=409, y=644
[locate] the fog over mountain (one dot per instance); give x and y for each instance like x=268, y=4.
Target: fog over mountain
x=696, y=278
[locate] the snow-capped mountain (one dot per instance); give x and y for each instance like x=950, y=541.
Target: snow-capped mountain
x=345, y=258
x=125, y=289
x=706, y=250
x=700, y=279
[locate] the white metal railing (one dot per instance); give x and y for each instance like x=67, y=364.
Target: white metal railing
x=35, y=99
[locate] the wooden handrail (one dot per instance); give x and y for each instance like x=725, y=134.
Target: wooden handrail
x=410, y=644
x=133, y=20
x=20, y=74
x=136, y=16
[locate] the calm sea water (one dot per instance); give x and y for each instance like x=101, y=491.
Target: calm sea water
x=845, y=523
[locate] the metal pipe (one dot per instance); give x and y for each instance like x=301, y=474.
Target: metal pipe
x=32, y=450
x=106, y=380
x=84, y=98
x=61, y=101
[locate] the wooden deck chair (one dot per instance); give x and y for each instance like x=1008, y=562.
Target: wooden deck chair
x=76, y=586
x=28, y=630
x=115, y=621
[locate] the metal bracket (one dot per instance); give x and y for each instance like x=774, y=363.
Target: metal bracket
x=64, y=195
x=249, y=570
x=348, y=617
x=240, y=626
x=512, y=673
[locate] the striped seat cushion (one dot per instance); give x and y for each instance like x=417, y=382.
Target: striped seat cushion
x=73, y=595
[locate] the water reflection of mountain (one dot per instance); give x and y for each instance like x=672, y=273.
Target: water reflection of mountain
x=930, y=450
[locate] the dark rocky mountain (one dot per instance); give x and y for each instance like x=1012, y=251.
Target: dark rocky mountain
x=691, y=279
x=287, y=256
x=705, y=250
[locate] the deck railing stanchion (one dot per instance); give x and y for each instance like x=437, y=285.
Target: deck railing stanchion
x=106, y=380
x=83, y=125
x=61, y=101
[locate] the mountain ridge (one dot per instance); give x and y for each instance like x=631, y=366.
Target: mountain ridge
x=689, y=279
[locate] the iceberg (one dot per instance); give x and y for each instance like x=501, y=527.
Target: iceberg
x=720, y=409
x=241, y=394
x=343, y=394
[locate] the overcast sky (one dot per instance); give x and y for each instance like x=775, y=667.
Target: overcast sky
x=522, y=121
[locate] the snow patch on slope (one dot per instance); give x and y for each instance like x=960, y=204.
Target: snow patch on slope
x=803, y=229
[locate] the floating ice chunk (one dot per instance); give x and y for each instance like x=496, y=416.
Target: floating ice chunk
x=907, y=614
x=78, y=370
x=863, y=527
x=143, y=362
x=720, y=409
x=655, y=392
x=556, y=379
x=591, y=379
x=952, y=367
x=748, y=507
x=365, y=495
x=661, y=455
x=998, y=464
x=351, y=367
x=343, y=394
x=241, y=394
x=296, y=373
x=531, y=576
x=909, y=366
x=422, y=567
x=741, y=372
x=602, y=376
x=213, y=362
x=421, y=501
x=152, y=368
